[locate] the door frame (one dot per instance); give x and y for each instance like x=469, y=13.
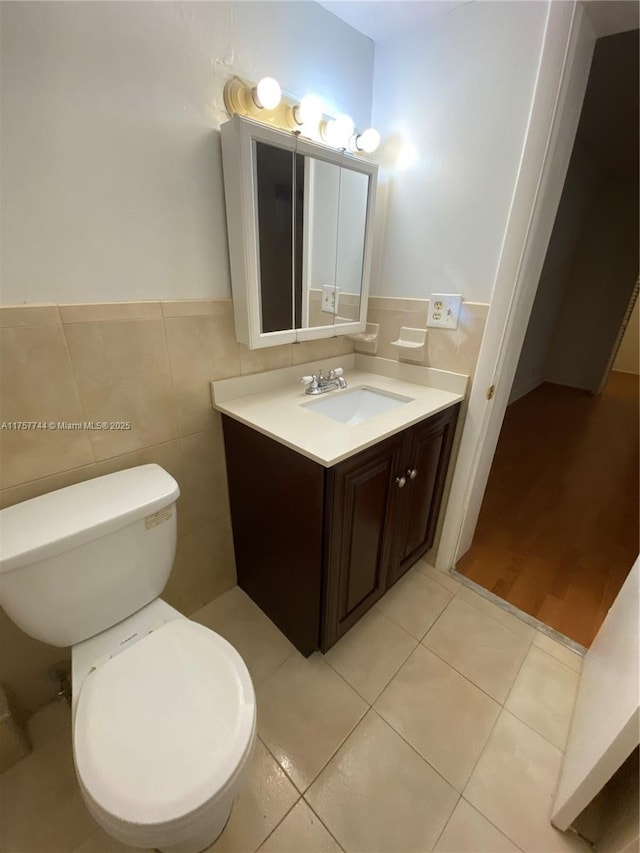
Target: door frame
x=623, y=328
x=561, y=84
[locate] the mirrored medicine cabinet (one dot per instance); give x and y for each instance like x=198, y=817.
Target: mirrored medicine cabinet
x=300, y=223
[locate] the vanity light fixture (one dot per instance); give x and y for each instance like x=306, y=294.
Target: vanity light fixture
x=338, y=131
x=264, y=102
x=366, y=141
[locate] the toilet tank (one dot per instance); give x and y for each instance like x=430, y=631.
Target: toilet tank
x=76, y=561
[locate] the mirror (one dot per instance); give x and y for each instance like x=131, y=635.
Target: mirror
x=334, y=229
x=304, y=274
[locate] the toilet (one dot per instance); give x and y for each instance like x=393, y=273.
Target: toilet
x=163, y=709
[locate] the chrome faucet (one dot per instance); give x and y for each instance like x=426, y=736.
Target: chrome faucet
x=317, y=384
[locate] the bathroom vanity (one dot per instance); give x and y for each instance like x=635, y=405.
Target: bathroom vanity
x=334, y=498
x=327, y=515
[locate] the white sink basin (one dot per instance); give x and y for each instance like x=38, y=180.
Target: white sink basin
x=355, y=405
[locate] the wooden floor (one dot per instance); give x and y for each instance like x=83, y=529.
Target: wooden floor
x=558, y=530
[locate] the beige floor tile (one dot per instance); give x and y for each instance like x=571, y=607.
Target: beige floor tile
x=305, y=711
x=442, y=578
x=301, y=832
x=469, y=832
x=508, y=620
x=543, y=696
x=480, y=648
x=442, y=714
x=42, y=808
x=371, y=653
x=378, y=796
x=100, y=842
x=513, y=785
x=49, y=724
x=562, y=653
x=415, y=603
x=235, y=617
x=260, y=807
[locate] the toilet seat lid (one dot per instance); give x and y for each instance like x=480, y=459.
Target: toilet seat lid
x=161, y=728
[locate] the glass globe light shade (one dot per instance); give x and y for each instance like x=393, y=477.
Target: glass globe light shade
x=368, y=140
x=267, y=93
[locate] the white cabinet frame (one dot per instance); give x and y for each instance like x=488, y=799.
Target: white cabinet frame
x=238, y=150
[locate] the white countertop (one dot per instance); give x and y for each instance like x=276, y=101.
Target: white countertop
x=274, y=403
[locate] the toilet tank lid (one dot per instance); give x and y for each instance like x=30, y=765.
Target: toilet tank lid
x=48, y=525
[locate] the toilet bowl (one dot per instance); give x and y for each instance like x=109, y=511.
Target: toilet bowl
x=163, y=708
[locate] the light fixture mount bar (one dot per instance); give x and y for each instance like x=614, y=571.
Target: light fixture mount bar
x=241, y=97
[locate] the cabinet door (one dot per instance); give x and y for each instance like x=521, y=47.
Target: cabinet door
x=362, y=496
x=427, y=460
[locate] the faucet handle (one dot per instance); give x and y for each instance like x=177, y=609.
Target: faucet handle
x=335, y=372
x=307, y=380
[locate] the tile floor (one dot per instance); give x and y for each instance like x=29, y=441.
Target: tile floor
x=437, y=723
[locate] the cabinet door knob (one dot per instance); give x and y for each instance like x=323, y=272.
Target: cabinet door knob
x=412, y=473
x=401, y=481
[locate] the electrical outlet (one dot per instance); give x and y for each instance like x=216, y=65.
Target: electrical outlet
x=330, y=299
x=444, y=310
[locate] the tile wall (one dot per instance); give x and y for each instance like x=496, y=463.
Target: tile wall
x=150, y=364
x=446, y=349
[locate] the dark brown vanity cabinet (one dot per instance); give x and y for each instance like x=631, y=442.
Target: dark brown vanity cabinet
x=316, y=547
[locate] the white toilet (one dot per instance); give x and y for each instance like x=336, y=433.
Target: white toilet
x=164, y=712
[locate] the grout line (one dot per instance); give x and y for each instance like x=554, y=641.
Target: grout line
x=531, y=729
x=497, y=828
x=446, y=823
x=322, y=822
x=433, y=580
x=287, y=777
x=110, y=320
x=337, y=749
x=462, y=675
x=77, y=387
x=524, y=722
x=556, y=660
x=174, y=402
x=517, y=675
x=268, y=836
x=444, y=660
x=482, y=752
x=419, y=754
x=522, y=615
x=490, y=598
x=404, y=660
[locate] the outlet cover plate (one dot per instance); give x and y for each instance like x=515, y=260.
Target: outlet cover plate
x=444, y=310
x=329, y=298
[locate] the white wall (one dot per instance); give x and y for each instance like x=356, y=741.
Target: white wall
x=110, y=164
x=604, y=728
x=603, y=274
x=629, y=353
x=572, y=212
x=452, y=100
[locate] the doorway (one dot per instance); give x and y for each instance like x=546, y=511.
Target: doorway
x=558, y=528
